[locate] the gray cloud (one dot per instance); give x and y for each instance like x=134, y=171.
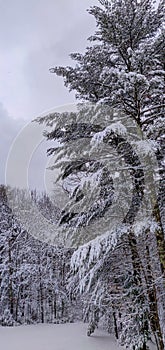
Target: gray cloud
x=8, y=131
x=36, y=35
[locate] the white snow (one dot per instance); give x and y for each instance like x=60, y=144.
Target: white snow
x=117, y=128
x=55, y=337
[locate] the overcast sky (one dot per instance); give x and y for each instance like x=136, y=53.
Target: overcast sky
x=36, y=35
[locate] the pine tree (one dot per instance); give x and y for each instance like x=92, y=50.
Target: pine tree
x=126, y=70
x=123, y=69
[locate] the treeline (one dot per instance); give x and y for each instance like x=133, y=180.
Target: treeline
x=33, y=274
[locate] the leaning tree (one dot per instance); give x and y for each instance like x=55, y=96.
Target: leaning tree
x=122, y=69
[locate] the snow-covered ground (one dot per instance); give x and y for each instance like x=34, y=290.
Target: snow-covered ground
x=55, y=337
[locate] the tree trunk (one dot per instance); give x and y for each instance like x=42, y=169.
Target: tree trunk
x=160, y=240
x=154, y=314
x=11, y=301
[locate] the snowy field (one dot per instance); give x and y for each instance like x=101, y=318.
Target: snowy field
x=55, y=337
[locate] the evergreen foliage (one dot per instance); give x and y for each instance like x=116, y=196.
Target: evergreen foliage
x=123, y=69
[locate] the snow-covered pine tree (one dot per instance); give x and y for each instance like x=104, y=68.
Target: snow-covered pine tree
x=124, y=68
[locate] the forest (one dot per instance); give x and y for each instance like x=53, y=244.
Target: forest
x=109, y=266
